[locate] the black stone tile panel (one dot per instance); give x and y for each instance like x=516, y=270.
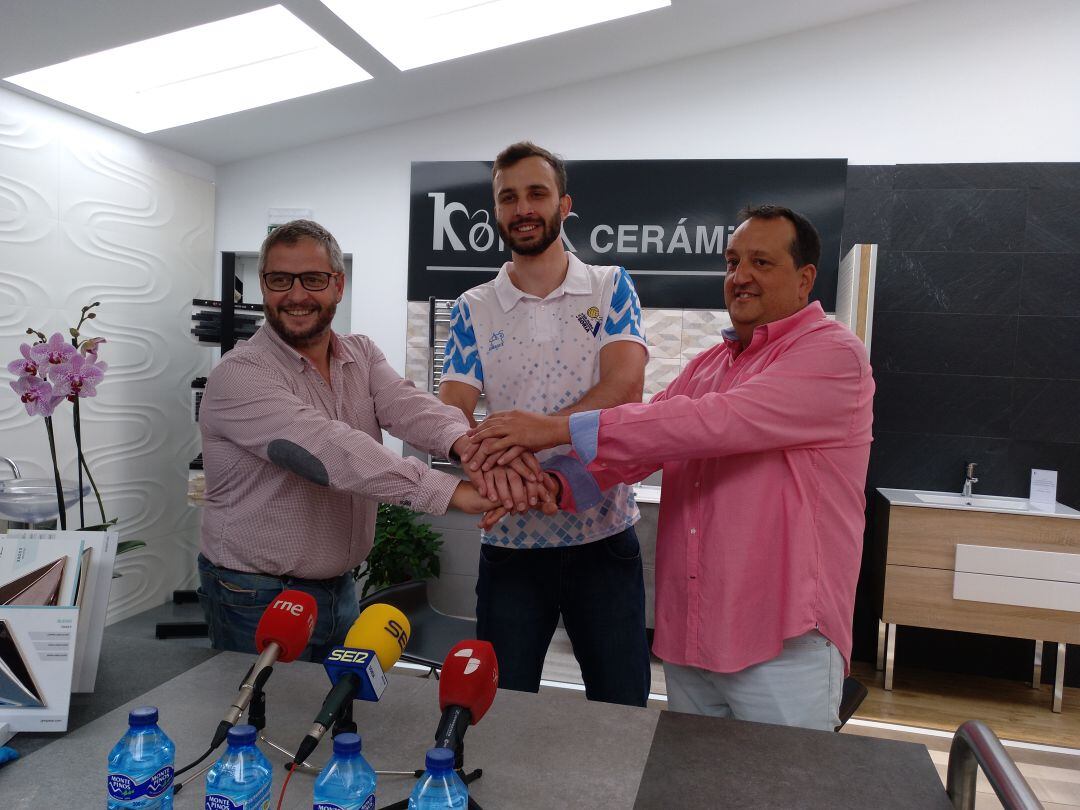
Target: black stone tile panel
x=974, y=283
x=1050, y=284
x=950, y=404
x=864, y=177
x=980, y=345
x=937, y=463
x=867, y=218
x=969, y=220
x=1046, y=347
x=1053, y=221
x=1046, y=411
x=963, y=175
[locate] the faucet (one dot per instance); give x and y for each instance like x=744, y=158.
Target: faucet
x=12, y=464
x=969, y=479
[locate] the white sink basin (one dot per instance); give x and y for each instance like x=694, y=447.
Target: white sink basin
x=33, y=500
x=975, y=503
x=1018, y=504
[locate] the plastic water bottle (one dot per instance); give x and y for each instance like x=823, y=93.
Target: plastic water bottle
x=241, y=779
x=348, y=781
x=440, y=787
x=141, y=765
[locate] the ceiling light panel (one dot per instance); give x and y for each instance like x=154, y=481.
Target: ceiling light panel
x=215, y=69
x=423, y=32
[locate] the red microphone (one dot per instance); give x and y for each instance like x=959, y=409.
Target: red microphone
x=470, y=677
x=283, y=633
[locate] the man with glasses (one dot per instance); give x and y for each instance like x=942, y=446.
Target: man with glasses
x=292, y=423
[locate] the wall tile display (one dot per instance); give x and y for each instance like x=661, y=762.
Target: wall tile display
x=83, y=219
x=976, y=329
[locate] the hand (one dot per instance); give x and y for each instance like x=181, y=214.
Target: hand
x=468, y=500
x=518, y=491
x=549, y=505
x=464, y=447
x=502, y=435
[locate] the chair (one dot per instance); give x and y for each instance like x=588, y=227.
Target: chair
x=433, y=633
x=853, y=694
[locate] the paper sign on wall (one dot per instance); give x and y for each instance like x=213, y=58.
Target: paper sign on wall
x=1043, y=489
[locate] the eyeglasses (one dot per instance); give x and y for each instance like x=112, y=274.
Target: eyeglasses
x=283, y=282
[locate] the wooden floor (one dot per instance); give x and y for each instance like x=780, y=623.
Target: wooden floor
x=927, y=707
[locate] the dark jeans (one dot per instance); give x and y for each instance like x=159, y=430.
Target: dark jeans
x=234, y=601
x=598, y=590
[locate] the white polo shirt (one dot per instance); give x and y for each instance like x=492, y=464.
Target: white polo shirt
x=543, y=355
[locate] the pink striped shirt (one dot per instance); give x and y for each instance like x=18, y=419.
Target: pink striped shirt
x=764, y=453
x=310, y=512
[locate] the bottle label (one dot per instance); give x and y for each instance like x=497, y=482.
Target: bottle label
x=126, y=789
x=369, y=804
x=260, y=801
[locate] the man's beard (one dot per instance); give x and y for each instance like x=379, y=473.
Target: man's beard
x=299, y=340
x=550, y=231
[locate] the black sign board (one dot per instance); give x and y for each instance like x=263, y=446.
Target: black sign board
x=666, y=221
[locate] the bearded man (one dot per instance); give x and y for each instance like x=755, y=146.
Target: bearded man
x=292, y=423
x=553, y=335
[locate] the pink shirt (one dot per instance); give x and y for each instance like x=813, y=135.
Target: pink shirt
x=295, y=468
x=764, y=453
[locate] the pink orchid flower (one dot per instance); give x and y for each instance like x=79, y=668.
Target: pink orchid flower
x=55, y=352
x=37, y=395
x=79, y=378
x=25, y=366
x=89, y=349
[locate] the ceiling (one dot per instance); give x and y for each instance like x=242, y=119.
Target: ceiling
x=36, y=33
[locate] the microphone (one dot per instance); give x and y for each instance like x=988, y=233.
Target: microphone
x=470, y=677
x=357, y=670
x=283, y=633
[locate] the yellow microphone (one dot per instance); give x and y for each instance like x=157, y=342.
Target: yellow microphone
x=358, y=669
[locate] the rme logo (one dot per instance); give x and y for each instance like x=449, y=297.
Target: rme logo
x=294, y=609
x=476, y=228
x=348, y=655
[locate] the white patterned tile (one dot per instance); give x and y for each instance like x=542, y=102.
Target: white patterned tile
x=701, y=329
x=658, y=374
x=663, y=331
x=416, y=366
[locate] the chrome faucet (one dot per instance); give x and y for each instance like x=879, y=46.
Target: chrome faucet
x=12, y=464
x=969, y=479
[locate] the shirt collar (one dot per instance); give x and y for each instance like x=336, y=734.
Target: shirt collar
x=268, y=336
x=576, y=283
x=775, y=330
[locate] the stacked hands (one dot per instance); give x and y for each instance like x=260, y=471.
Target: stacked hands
x=504, y=475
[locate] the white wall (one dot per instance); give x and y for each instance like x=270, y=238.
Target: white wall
x=933, y=82
x=91, y=214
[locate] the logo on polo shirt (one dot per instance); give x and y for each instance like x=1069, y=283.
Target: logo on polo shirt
x=587, y=319
x=497, y=341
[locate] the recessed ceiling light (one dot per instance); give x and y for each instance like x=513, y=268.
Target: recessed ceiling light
x=215, y=69
x=412, y=34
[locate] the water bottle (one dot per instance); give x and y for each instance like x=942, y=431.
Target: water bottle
x=141, y=765
x=440, y=787
x=241, y=779
x=348, y=781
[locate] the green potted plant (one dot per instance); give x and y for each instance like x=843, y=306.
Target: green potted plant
x=404, y=550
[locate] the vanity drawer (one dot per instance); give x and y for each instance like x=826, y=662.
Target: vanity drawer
x=923, y=597
x=927, y=538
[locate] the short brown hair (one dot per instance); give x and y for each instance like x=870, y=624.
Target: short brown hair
x=516, y=152
x=292, y=232
x=805, y=247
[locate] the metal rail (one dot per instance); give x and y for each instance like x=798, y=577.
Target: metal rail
x=975, y=746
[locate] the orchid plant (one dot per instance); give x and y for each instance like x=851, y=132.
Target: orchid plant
x=55, y=370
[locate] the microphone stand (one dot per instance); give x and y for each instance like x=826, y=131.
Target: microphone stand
x=459, y=766
x=257, y=717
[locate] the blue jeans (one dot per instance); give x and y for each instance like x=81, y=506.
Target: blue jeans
x=598, y=590
x=234, y=601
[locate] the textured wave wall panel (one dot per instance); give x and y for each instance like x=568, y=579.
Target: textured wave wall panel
x=100, y=217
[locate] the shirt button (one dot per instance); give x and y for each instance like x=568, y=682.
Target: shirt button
x=697, y=483
x=693, y=531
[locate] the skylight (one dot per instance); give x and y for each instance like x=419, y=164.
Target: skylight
x=215, y=69
x=423, y=32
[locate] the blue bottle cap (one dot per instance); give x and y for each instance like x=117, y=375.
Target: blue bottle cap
x=143, y=716
x=346, y=744
x=439, y=759
x=242, y=735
